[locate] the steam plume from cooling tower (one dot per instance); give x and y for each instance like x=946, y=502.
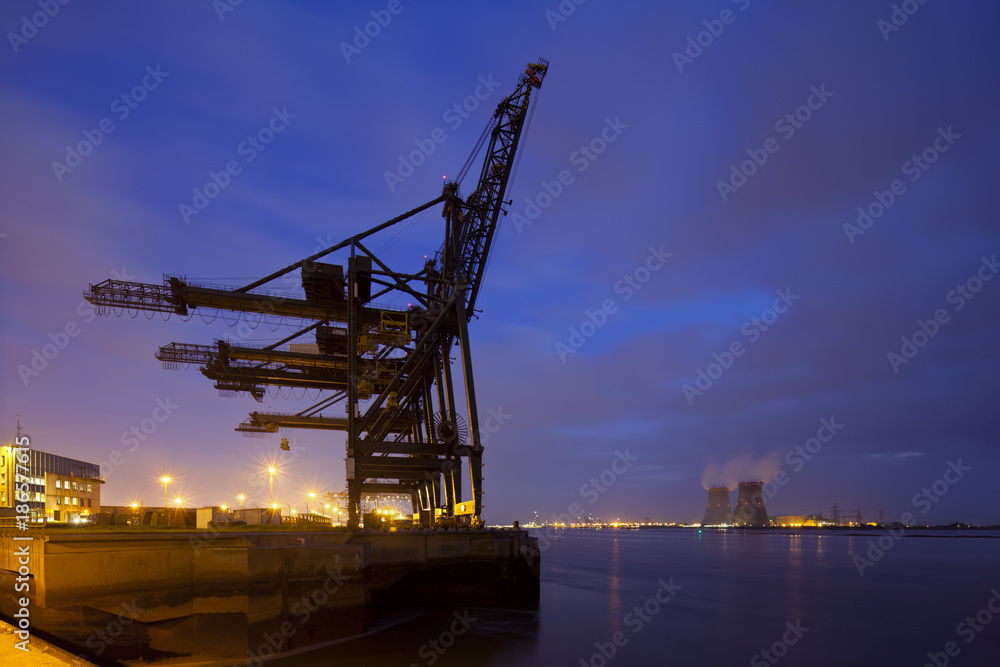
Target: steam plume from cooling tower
x=739, y=468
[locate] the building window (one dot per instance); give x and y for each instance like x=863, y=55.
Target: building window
x=88, y=503
x=74, y=500
x=58, y=484
x=89, y=490
x=74, y=486
x=58, y=500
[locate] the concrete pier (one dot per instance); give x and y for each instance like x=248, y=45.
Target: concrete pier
x=190, y=596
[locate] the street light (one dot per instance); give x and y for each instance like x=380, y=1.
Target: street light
x=166, y=504
x=271, y=470
x=241, y=498
x=312, y=494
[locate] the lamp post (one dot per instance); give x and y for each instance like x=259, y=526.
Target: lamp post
x=312, y=495
x=166, y=504
x=270, y=481
x=241, y=498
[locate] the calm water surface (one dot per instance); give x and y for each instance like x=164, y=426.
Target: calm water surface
x=730, y=595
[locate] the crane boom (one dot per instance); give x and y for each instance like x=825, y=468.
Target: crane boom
x=474, y=221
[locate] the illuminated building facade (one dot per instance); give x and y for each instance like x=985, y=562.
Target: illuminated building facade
x=59, y=488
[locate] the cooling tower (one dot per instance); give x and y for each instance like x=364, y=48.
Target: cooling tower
x=718, y=513
x=750, y=509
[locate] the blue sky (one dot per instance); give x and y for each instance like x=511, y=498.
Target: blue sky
x=209, y=80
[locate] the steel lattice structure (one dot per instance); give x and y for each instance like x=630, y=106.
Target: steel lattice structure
x=390, y=367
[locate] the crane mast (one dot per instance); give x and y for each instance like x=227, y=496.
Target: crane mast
x=390, y=366
x=473, y=222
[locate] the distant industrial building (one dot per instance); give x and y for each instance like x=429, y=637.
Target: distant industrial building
x=798, y=520
x=59, y=488
x=718, y=512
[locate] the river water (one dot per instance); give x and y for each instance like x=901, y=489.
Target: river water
x=690, y=597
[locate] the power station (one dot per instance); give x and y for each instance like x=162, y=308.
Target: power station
x=718, y=512
x=750, y=509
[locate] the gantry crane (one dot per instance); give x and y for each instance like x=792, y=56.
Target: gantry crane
x=390, y=365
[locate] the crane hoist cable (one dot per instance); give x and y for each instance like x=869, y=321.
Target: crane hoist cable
x=475, y=151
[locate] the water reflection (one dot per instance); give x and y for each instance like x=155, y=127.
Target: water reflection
x=740, y=590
